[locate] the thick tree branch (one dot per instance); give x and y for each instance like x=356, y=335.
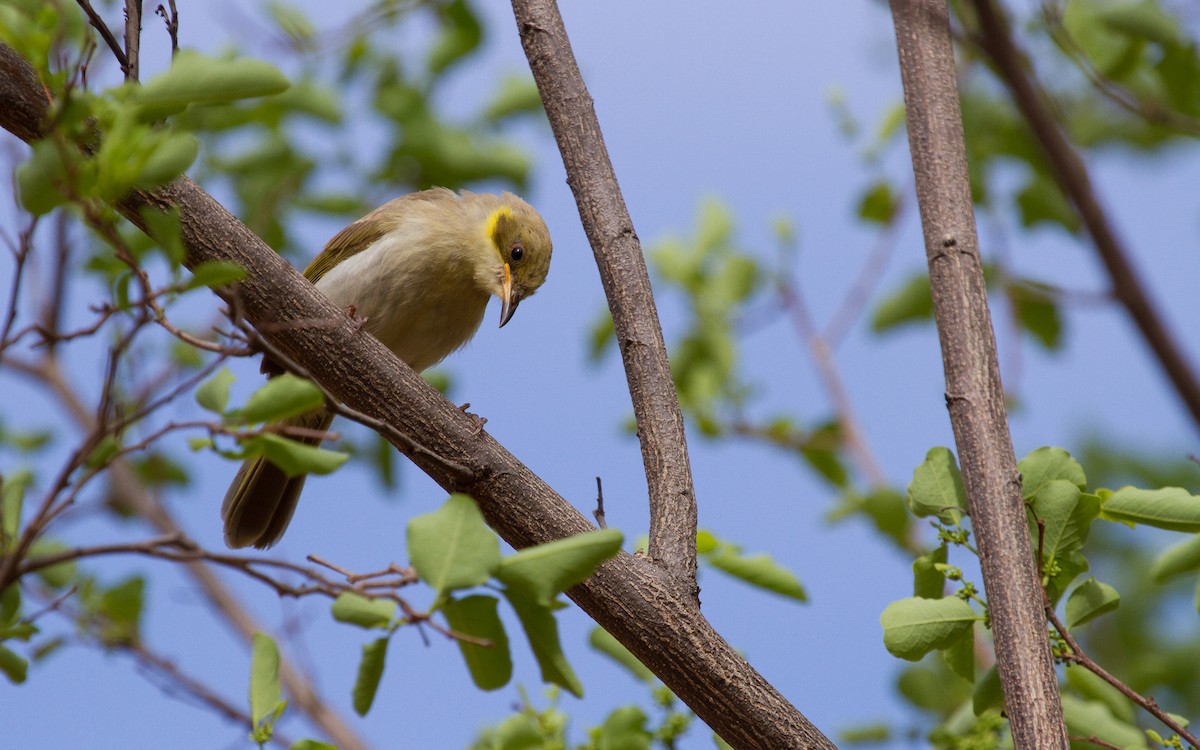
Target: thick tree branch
x=974, y=394
x=626, y=283
x=996, y=41
x=630, y=598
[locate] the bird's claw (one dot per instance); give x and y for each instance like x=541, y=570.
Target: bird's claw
x=479, y=421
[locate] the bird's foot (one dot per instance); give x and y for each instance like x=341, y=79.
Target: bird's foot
x=352, y=311
x=479, y=421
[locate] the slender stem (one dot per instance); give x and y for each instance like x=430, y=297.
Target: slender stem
x=974, y=395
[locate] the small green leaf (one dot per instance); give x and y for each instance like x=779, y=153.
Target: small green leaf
x=1042, y=202
x=265, y=693
x=476, y=616
x=542, y=632
x=12, y=499
x=169, y=159
x=215, y=274
x=914, y=627
x=546, y=570
x=1089, y=600
x=104, y=451
x=10, y=605
x=213, y=394
x=44, y=180
x=14, y=666
x=365, y=613
x=1048, y=463
x=452, y=548
x=602, y=641
x=757, y=570
x=312, y=745
x=1093, y=719
x=1066, y=515
x=911, y=303
x=960, y=657
x=624, y=729
x=194, y=78
x=1179, y=559
x=281, y=397
x=989, y=693
x=55, y=576
x=929, y=582
x=293, y=457
x=370, y=671
x=937, y=487
x=879, y=203
x=1169, y=508
x=1037, y=312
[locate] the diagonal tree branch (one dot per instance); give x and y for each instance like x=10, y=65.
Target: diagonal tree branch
x=626, y=283
x=974, y=395
x=629, y=597
x=996, y=41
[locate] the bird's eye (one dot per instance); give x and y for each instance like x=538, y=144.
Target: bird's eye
x=517, y=252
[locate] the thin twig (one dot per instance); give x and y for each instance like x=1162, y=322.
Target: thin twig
x=598, y=513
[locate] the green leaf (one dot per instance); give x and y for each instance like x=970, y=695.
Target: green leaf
x=601, y=640
x=757, y=570
x=461, y=33
x=12, y=499
x=10, y=605
x=913, y=627
x=911, y=303
x=14, y=666
x=122, y=605
x=960, y=657
x=194, y=78
x=1091, y=687
x=879, y=203
x=44, y=180
x=452, y=548
x=516, y=95
x=169, y=159
x=265, y=693
x=104, y=451
x=1037, y=312
x=541, y=630
x=1169, y=508
x=213, y=394
x=544, y=571
x=1046, y=464
x=1089, y=600
x=476, y=616
x=293, y=457
x=215, y=274
x=1067, y=515
x=356, y=609
x=929, y=582
x=937, y=487
x=989, y=693
x=55, y=576
x=281, y=397
x=312, y=745
x=370, y=671
x=1093, y=719
x=624, y=729
x=1177, y=560
x=1042, y=202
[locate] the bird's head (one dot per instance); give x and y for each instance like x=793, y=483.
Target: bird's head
x=523, y=247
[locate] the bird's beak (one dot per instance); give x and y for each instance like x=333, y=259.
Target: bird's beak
x=508, y=301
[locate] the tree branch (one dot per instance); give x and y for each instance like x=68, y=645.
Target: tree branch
x=996, y=41
x=974, y=395
x=626, y=284
x=629, y=597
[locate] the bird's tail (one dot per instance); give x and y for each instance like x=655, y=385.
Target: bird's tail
x=262, y=498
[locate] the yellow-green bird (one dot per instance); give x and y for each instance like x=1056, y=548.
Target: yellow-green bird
x=420, y=269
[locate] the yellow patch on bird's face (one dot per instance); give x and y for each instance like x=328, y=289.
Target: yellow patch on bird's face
x=494, y=227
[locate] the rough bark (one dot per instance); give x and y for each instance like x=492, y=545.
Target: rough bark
x=974, y=394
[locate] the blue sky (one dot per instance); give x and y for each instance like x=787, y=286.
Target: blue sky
x=695, y=100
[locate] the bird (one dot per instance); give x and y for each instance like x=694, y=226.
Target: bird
x=420, y=270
